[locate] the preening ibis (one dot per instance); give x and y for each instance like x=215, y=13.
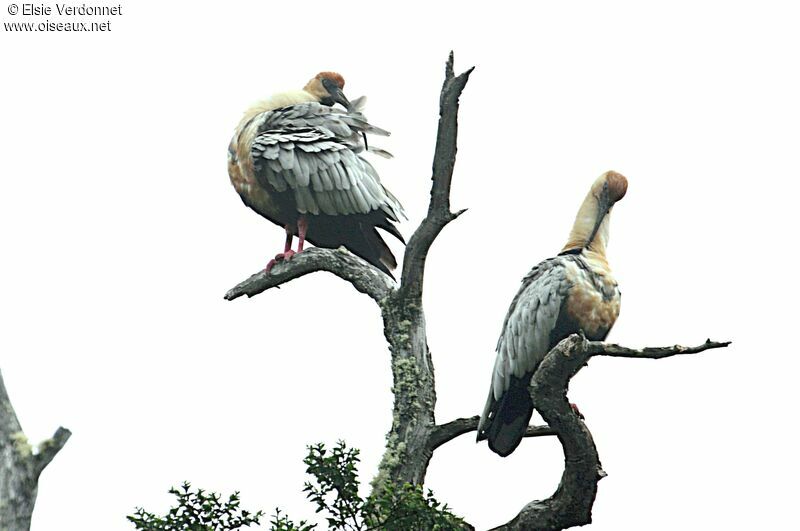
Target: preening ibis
x=296, y=160
x=569, y=293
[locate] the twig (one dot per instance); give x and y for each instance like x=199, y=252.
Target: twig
x=444, y=433
x=598, y=348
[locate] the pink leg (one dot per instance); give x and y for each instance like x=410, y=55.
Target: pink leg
x=302, y=227
x=287, y=253
x=287, y=250
x=288, y=245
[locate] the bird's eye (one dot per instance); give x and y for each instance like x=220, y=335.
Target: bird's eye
x=329, y=84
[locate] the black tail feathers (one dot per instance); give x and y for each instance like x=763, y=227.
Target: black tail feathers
x=505, y=421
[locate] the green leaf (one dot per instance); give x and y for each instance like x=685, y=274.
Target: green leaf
x=197, y=511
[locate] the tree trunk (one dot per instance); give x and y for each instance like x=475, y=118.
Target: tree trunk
x=20, y=466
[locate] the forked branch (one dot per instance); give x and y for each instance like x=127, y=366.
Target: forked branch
x=20, y=466
x=444, y=161
x=571, y=504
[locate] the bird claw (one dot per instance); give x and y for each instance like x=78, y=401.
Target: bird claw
x=280, y=257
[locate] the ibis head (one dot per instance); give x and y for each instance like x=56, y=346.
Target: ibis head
x=327, y=87
x=607, y=189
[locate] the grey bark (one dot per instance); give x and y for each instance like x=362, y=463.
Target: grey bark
x=571, y=504
x=20, y=466
x=414, y=434
x=339, y=262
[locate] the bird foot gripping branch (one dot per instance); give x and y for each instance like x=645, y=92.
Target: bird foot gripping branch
x=280, y=257
x=574, y=407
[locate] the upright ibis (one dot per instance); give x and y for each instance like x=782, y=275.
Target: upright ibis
x=570, y=293
x=296, y=160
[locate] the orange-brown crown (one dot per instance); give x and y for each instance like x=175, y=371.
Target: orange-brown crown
x=617, y=185
x=333, y=76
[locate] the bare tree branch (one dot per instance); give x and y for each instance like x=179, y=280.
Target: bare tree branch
x=20, y=466
x=571, y=504
x=363, y=276
x=444, y=160
x=408, y=449
x=444, y=433
x=598, y=348
x=49, y=448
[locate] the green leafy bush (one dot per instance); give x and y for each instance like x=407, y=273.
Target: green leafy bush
x=334, y=491
x=197, y=511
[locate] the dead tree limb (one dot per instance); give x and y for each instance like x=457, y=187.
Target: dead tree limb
x=408, y=449
x=444, y=161
x=340, y=262
x=20, y=466
x=414, y=434
x=444, y=433
x=571, y=504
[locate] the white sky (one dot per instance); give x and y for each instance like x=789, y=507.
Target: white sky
x=121, y=234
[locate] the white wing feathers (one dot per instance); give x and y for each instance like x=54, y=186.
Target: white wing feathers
x=312, y=150
x=525, y=338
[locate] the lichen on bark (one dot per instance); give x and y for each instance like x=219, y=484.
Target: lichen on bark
x=20, y=466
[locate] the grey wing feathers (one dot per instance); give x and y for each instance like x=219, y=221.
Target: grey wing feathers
x=525, y=337
x=357, y=105
x=312, y=150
